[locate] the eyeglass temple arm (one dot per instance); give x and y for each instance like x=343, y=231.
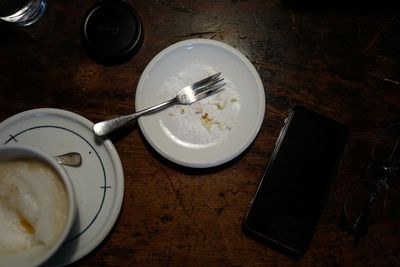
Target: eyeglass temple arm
x=394, y=149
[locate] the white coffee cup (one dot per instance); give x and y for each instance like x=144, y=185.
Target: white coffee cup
x=34, y=229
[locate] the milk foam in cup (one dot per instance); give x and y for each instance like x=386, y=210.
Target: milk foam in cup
x=37, y=206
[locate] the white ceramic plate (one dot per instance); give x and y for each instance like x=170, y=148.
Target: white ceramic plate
x=98, y=182
x=214, y=130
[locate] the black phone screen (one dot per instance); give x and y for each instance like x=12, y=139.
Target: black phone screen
x=295, y=185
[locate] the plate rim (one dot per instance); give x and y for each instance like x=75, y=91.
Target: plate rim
x=261, y=111
x=114, y=213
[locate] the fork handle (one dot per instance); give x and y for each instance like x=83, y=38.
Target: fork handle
x=105, y=127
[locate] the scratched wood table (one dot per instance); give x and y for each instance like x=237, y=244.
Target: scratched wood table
x=341, y=60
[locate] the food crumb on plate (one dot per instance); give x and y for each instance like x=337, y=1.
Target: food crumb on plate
x=208, y=120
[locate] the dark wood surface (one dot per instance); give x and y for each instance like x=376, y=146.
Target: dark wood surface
x=341, y=60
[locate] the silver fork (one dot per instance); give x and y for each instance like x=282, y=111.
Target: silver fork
x=186, y=96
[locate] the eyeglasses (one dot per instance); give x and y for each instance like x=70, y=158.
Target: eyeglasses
x=367, y=199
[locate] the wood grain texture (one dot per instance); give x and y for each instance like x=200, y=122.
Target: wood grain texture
x=341, y=60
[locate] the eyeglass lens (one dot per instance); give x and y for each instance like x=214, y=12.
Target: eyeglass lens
x=386, y=149
x=366, y=196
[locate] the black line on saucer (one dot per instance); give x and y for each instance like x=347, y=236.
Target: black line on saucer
x=12, y=137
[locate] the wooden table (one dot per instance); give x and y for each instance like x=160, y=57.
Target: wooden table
x=340, y=60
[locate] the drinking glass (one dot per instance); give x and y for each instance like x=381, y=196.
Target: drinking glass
x=22, y=12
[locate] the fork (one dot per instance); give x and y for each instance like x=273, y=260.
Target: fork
x=186, y=96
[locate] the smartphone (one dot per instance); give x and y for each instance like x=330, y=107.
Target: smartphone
x=291, y=195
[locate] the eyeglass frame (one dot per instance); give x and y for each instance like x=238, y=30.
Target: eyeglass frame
x=359, y=226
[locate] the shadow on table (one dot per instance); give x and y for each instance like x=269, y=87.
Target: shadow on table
x=194, y=171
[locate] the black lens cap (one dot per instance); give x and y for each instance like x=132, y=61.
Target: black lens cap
x=112, y=32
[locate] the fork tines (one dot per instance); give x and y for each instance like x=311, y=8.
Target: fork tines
x=209, y=85
x=207, y=80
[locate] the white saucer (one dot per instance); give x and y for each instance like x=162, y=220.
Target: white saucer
x=98, y=182
x=214, y=130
